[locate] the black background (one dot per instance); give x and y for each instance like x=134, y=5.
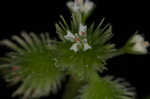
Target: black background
x=125, y=16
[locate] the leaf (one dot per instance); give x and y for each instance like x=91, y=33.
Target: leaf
x=21, y=42
x=11, y=45
x=36, y=69
x=64, y=22
x=106, y=88
x=28, y=39
x=60, y=32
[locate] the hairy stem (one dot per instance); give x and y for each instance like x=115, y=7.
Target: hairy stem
x=72, y=88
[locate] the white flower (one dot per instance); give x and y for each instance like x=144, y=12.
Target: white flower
x=137, y=38
x=79, y=39
x=69, y=36
x=139, y=44
x=86, y=45
x=70, y=4
x=76, y=8
x=82, y=30
x=75, y=47
x=80, y=5
x=88, y=5
x=73, y=6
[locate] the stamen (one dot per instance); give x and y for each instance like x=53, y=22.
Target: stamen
x=14, y=68
x=78, y=39
x=83, y=33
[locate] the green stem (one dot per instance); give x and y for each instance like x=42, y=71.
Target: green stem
x=72, y=88
x=118, y=52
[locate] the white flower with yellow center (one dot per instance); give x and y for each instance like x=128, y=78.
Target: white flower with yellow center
x=80, y=5
x=140, y=45
x=79, y=39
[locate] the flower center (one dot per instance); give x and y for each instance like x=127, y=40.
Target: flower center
x=83, y=33
x=78, y=39
x=15, y=68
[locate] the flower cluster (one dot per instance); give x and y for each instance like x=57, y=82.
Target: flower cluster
x=139, y=44
x=79, y=39
x=80, y=6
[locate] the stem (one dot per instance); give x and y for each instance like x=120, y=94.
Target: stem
x=72, y=88
x=118, y=52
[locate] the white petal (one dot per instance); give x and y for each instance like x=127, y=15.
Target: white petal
x=80, y=5
x=73, y=6
x=88, y=5
x=76, y=8
x=137, y=38
x=75, y=47
x=69, y=36
x=86, y=45
x=79, y=2
x=76, y=35
x=140, y=47
x=82, y=29
x=70, y=4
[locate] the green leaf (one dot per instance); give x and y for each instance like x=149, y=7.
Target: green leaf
x=12, y=45
x=21, y=42
x=64, y=22
x=106, y=88
x=35, y=69
x=60, y=32
x=28, y=39
x=75, y=23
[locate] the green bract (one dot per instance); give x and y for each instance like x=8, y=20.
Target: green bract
x=32, y=63
x=106, y=88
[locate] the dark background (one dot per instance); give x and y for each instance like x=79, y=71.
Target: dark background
x=125, y=16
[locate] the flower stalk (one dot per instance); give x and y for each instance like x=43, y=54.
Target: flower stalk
x=72, y=88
